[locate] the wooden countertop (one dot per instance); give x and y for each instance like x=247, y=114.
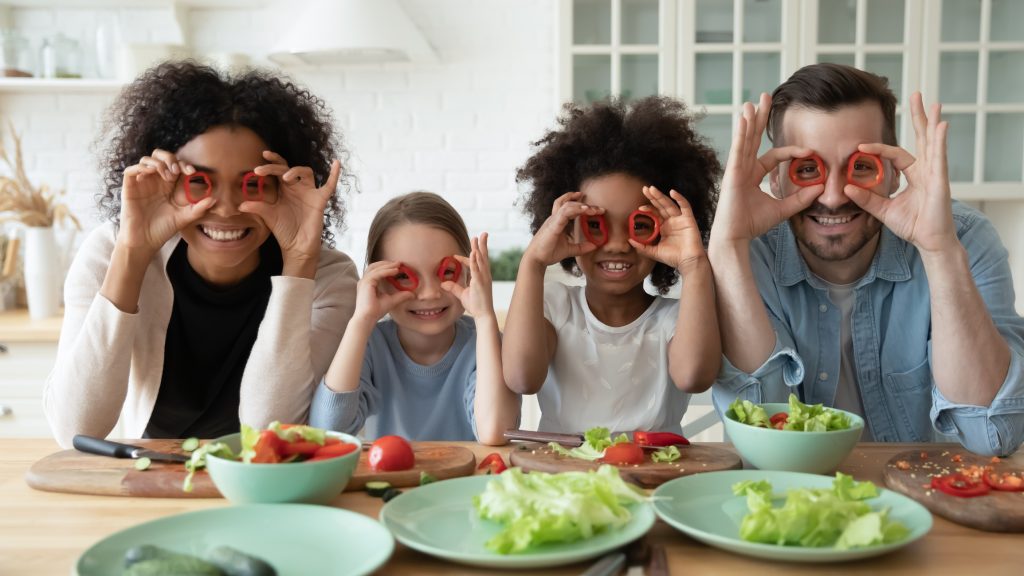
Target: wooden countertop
x=16, y=326
x=43, y=533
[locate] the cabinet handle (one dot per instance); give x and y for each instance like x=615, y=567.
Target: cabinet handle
x=6, y=410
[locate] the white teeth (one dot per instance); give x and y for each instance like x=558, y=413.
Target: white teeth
x=615, y=266
x=223, y=235
x=433, y=312
x=829, y=221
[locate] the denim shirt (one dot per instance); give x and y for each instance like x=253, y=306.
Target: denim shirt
x=891, y=329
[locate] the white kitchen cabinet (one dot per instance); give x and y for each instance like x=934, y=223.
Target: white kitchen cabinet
x=718, y=54
x=23, y=369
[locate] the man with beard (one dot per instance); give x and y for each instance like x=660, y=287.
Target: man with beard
x=897, y=307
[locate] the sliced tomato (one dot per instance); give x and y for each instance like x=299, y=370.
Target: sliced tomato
x=333, y=451
x=267, y=447
x=959, y=485
x=1005, y=481
x=391, y=453
x=779, y=420
x=624, y=453
x=493, y=464
x=298, y=446
x=659, y=438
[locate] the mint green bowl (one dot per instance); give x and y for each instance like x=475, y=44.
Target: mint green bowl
x=309, y=482
x=790, y=450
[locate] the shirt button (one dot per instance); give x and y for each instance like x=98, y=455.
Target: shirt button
x=823, y=308
x=823, y=376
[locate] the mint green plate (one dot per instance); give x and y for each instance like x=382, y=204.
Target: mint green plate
x=296, y=539
x=439, y=519
x=704, y=507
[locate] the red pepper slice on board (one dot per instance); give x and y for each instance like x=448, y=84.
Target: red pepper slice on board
x=779, y=420
x=959, y=485
x=644, y=226
x=406, y=280
x=193, y=178
x=809, y=171
x=1005, y=481
x=864, y=177
x=493, y=464
x=595, y=229
x=659, y=438
x=624, y=453
x=449, y=269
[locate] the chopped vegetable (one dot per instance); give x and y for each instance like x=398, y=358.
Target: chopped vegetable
x=426, y=478
x=142, y=463
x=960, y=485
x=801, y=417
x=493, y=464
x=595, y=441
x=667, y=454
x=197, y=460
x=817, y=517
x=623, y=453
x=659, y=438
x=537, y=508
x=1005, y=481
x=190, y=444
x=237, y=563
x=390, y=494
x=377, y=488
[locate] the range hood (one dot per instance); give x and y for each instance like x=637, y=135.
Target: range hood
x=330, y=32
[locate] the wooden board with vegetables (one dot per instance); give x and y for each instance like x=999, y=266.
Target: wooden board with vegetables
x=977, y=491
x=75, y=472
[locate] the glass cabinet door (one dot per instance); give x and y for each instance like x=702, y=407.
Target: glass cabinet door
x=615, y=49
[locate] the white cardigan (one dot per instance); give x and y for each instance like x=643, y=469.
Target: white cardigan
x=110, y=363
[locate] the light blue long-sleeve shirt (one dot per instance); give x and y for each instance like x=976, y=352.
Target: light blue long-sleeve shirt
x=891, y=328
x=399, y=396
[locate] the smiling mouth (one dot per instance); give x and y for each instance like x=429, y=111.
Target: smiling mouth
x=615, y=266
x=430, y=313
x=832, y=220
x=222, y=235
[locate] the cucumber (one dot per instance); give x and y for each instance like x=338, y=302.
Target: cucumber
x=237, y=563
x=377, y=488
x=391, y=493
x=177, y=566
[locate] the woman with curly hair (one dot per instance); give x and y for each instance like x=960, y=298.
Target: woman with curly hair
x=212, y=296
x=608, y=353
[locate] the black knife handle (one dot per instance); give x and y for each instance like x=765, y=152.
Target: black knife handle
x=102, y=447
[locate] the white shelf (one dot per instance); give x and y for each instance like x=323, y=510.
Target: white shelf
x=65, y=85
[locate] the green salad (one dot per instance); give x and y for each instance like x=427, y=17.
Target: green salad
x=537, y=508
x=595, y=441
x=818, y=517
x=802, y=417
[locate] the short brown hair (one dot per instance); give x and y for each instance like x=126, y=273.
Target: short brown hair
x=417, y=208
x=828, y=87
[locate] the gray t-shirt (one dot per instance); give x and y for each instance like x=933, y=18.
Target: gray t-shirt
x=399, y=396
x=847, y=391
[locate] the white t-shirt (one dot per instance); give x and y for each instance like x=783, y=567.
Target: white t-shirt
x=616, y=377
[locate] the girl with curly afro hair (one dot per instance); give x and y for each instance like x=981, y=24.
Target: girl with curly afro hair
x=609, y=353
x=211, y=297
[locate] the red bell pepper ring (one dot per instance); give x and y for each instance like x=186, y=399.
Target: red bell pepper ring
x=449, y=269
x=959, y=485
x=659, y=439
x=861, y=177
x=246, y=194
x=602, y=228
x=640, y=217
x=409, y=283
x=493, y=464
x=800, y=178
x=186, y=185
x=1005, y=481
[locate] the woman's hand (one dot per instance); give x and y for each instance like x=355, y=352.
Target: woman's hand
x=552, y=243
x=149, y=215
x=297, y=218
x=476, y=297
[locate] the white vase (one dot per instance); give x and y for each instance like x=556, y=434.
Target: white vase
x=43, y=271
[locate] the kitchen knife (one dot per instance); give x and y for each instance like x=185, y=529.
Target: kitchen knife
x=93, y=445
x=572, y=440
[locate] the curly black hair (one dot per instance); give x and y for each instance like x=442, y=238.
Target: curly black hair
x=172, y=103
x=651, y=139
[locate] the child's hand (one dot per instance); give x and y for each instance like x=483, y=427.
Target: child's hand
x=149, y=216
x=372, y=301
x=680, y=244
x=297, y=218
x=552, y=242
x=476, y=298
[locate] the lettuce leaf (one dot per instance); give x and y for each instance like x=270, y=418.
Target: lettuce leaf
x=746, y=412
x=817, y=517
x=666, y=454
x=197, y=460
x=537, y=508
x=595, y=441
x=814, y=417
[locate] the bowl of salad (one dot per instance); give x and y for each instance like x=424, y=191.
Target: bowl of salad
x=283, y=463
x=793, y=437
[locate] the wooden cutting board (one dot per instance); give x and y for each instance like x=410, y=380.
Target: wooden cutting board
x=910, y=473
x=695, y=458
x=76, y=472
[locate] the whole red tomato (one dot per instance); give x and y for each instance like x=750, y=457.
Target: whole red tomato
x=391, y=453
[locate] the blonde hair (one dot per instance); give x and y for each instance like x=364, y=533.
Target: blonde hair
x=417, y=208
